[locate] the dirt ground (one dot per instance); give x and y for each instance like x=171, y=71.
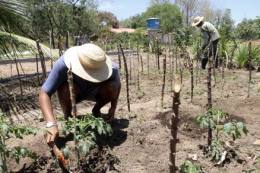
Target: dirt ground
x=141, y=137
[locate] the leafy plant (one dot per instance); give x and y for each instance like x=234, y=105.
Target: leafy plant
x=211, y=118
x=235, y=129
x=189, y=167
x=241, y=56
x=214, y=119
x=215, y=150
x=87, y=130
x=8, y=130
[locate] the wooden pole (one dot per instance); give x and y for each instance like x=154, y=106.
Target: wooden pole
x=67, y=40
x=119, y=56
x=18, y=73
x=158, y=54
x=126, y=76
x=209, y=106
x=37, y=70
x=138, y=69
x=163, y=80
x=148, y=64
x=42, y=60
x=191, y=79
x=250, y=67
x=174, y=125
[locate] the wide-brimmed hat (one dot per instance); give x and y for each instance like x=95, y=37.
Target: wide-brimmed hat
x=197, y=20
x=89, y=62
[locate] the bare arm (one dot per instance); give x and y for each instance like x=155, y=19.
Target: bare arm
x=46, y=106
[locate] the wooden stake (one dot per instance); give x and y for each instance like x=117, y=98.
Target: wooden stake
x=163, y=80
x=119, y=56
x=42, y=60
x=148, y=64
x=174, y=125
x=250, y=67
x=126, y=76
x=191, y=79
x=37, y=70
x=209, y=96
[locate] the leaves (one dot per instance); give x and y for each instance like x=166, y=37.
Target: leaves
x=235, y=129
x=19, y=152
x=189, y=167
x=215, y=150
x=211, y=118
x=8, y=130
x=87, y=129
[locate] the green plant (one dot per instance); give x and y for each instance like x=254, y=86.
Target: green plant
x=214, y=119
x=8, y=130
x=215, y=150
x=189, y=167
x=211, y=118
x=87, y=130
x=235, y=129
x=241, y=56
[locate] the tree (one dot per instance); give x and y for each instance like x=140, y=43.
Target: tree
x=107, y=19
x=189, y=9
x=248, y=29
x=9, y=11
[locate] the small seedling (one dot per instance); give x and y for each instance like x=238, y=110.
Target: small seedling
x=189, y=167
x=8, y=130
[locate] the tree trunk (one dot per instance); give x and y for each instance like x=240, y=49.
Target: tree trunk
x=67, y=40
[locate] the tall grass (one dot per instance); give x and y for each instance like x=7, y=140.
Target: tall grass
x=241, y=56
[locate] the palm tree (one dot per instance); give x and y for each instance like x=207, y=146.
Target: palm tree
x=10, y=12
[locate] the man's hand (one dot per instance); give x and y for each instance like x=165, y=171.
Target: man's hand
x=51, y=135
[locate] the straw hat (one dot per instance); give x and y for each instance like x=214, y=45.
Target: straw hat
x=197, y=20
x=89, y=62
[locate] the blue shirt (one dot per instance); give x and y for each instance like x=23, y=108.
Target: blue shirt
x=58, y=76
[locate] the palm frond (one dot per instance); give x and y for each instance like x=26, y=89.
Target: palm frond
x=11, y=44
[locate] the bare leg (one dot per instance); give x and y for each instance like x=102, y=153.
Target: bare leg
x=96, y=109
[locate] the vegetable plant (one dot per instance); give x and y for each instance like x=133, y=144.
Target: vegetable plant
x=87, y=130
x=214, y=119
x=189, y=167
x=7, y=131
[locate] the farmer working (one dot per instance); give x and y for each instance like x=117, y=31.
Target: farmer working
x=95, y=78
x=211, y=38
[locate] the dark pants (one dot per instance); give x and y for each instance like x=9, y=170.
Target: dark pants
x=212, y=51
